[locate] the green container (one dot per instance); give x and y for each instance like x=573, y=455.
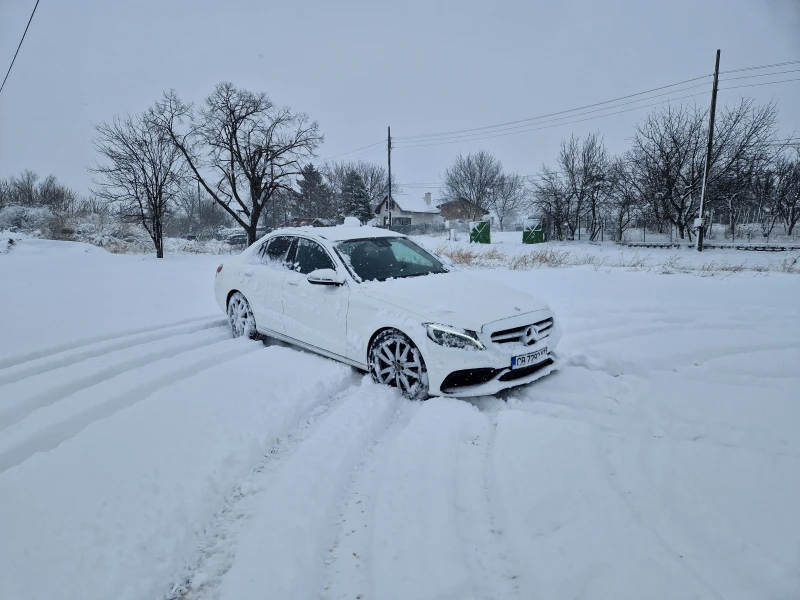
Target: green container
x=479, y=233
x=532, y=232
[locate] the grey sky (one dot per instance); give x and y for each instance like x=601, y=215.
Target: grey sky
x=356, y=67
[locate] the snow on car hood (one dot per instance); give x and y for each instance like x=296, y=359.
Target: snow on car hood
x=456, y=298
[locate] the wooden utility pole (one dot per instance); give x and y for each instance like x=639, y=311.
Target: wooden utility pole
x=701, y=216
x=389, y=197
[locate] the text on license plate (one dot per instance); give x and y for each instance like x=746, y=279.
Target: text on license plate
x=526, y=360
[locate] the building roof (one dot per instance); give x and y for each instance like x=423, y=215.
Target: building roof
x=459, y=201
x=415, y=204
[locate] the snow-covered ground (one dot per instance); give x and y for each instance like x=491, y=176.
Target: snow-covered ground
x=144, y=454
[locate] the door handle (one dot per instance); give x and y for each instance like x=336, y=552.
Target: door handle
x=291, y=283
x=248, y=273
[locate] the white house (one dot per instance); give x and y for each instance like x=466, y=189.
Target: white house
x=408, y=210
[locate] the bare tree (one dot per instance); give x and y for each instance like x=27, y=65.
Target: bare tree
x=374, y=176
x=550, y=196
x=473, y=178
x=22, y=190
x=669, y=152
x=787, y=171
x=579, y=189
x=142, y=172
x=240, y=147
x=509, y=197
x=625, y=199
x=196, y=212
x=585, y=170
x=31, y=190
x=5, y=193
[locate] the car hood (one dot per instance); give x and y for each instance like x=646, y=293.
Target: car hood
x=458, y=299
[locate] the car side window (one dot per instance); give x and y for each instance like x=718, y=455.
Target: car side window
x=275, y=252
x=311, y=256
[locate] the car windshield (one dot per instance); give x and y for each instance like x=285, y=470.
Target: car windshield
x=378, y=259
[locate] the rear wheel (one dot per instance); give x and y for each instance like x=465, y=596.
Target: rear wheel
x=241, y=318
x=395, y=360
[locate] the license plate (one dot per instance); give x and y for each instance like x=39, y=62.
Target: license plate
x=527, y=360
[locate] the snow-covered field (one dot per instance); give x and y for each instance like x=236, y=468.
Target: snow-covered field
x=144, y=454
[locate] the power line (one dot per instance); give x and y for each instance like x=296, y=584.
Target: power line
x=527, y=129
x=783, y=64
x=352, y=151
x=484, y=137
x=760, y=75
x=524, y=127
x=475, y=129
x=513, y=127
x=366, y=155
x=19, y=46
x=736, y=87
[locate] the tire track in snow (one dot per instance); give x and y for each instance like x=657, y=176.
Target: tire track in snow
x=47, y=431
x=87, y=341
x=349, y=562
x=217, y=549
x=280, y=552
x=22, y=404
x=637, y=510
x=699, y=536
x=418, y=546
x=485, y=550
x=558, y=499
x=697, y=357
x=44, y=364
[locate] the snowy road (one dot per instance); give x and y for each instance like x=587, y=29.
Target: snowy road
x=144, y=454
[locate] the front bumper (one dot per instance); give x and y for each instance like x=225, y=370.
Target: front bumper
x=462, y=373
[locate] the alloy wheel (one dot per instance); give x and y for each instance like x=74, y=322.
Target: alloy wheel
x=241, y=317
x=396, y=361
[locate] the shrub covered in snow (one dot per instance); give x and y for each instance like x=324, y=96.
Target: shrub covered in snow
x=24, y=218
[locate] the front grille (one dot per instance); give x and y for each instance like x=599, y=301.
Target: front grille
x=540, y=330
x=466, y=378
x=525, y=371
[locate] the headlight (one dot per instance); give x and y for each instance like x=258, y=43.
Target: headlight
x=453, y=337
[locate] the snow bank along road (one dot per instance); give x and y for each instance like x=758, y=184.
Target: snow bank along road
x=144, y=454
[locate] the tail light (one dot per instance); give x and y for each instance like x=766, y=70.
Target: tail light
x=219, y=268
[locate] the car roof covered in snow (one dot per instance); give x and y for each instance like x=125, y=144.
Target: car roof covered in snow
x=338, y=233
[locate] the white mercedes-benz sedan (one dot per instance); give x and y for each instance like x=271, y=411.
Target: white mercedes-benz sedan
x=374, y=299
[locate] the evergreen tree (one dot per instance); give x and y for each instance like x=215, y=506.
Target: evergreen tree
x=314, y=197
x=355, y=198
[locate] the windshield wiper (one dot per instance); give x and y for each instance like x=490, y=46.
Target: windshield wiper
x=421, y=274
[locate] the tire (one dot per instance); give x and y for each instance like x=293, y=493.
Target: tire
x=241, y=318
x=394, y=360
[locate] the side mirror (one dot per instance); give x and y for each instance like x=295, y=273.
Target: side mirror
x=325, y=277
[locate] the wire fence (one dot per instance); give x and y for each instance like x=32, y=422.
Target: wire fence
x=640, y=229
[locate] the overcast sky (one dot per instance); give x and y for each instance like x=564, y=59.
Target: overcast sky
x=356, y=67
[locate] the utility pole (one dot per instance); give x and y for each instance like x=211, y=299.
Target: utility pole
x=701, y=229
x=389, y=197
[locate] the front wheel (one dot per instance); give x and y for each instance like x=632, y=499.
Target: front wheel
x=241, y=318
x=395, y=360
